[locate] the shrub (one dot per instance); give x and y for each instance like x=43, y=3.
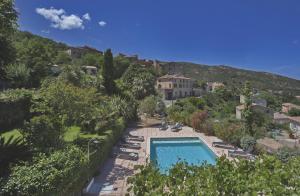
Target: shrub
x=285, y=153
x=14, y=108
x=43, y=132
x=199, y=122
x=63, y=172
x=264, y=176
x=66, y=101
x=47, y=175
x=248, y=143
x=230, y=132
x=294, y=112
x=148, y=105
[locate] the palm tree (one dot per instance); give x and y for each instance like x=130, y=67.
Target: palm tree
x=12, y=150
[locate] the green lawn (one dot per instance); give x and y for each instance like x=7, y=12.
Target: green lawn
x=15, y=132
x=74, y=132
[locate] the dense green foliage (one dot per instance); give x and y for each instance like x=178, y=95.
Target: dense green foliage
x=67, y=102
x=230, y=131
x=46, y=175
x=43, y=132
x=12, y=151
x=8, y=24
x=151, y=105
x=265, y=176
x=14, y=108
x=294, y=112
x=138, y=81
x=248, y=113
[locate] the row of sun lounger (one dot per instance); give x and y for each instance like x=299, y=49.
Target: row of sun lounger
x=223, y=145
x=127, y=142
x=233, y=151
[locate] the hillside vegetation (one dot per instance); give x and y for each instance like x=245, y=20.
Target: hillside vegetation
x=234, y=76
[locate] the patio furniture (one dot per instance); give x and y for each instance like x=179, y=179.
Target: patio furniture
x=164, y=126
x=176, y=127
x=223, y=145
x=130, y=145
x=135, y=138
x=241, y=154
x=128, y=155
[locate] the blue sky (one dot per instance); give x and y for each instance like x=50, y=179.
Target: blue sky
x=259, y=35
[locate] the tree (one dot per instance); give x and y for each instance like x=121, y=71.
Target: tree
x=38, y=57
x=248, y=112
x=63, y=58
x=43, y=132
x=108, y=72
x=199, y=122
x=139, y=81
x=148, y=105
x=18, y=75
x=8, y=24
x=71, y=74
x=124, y=106
x=91, y=60
x=69, y=103
x=12, y=150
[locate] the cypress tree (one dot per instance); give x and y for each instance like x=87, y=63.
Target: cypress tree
x=108, y=72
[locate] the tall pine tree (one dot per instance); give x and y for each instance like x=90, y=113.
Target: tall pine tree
x=108, y=72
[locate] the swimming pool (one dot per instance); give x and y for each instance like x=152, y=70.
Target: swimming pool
x=165, y=152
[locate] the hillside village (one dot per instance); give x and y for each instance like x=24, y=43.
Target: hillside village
x=79, y=121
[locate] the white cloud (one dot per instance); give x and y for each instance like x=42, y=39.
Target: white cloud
x=102, y=23
x=86, y=16
x=60, y=20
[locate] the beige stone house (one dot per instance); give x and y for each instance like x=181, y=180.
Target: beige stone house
x=286, y=107
x=259, y=105
x=212, y=86
x=176, y=86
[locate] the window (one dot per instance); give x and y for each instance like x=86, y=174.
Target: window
x=175, y=85
x=170, y=85
x=159, y=86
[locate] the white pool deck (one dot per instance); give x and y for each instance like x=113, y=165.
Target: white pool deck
x=115, y=171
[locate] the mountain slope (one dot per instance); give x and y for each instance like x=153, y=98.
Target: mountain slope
x=230, y=75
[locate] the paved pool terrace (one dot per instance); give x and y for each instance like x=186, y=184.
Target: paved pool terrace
x=115, y=171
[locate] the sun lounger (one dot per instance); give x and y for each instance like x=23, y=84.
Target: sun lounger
x=176, y=127
x=239, y=153
x=128, y=155
x=164, y=127
x=130, y=145
x=137, y=138
x=222, y=145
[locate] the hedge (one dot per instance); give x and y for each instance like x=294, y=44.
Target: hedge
x=14, y=108
x=64, y=172
x=98, y=157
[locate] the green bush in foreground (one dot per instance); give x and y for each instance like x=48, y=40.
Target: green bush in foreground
x=267, y=175
x=46, y=175
x=63, y=172
x=14, y=108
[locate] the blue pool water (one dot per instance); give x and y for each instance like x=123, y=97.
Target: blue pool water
x=165, y=152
